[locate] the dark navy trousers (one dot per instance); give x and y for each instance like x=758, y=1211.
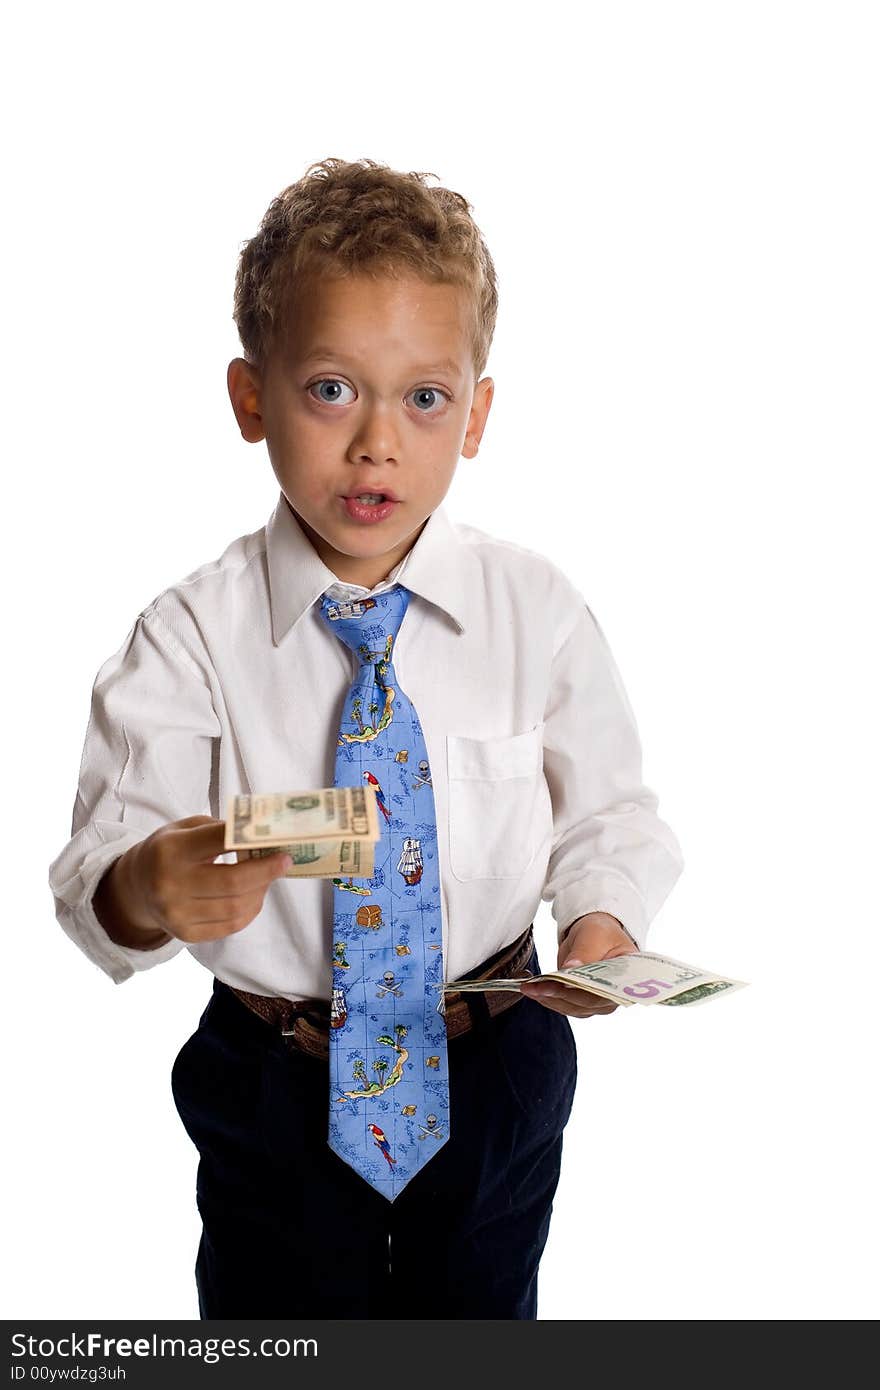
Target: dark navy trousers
x=290, y=1230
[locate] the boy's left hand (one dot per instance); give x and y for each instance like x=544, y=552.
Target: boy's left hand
x=597, y=936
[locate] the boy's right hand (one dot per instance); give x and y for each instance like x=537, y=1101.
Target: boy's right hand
x=168, y=886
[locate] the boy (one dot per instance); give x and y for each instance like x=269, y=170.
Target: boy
x=366, y=306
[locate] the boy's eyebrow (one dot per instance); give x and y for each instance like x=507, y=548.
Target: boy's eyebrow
x=324, y=353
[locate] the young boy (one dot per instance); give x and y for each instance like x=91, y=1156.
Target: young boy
x=366, y=307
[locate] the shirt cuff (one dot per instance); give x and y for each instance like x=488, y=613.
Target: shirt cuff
x=602, y=893
x=119, y=962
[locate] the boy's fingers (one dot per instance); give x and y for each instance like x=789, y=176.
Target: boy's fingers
x=569, y=999
x=203, y=836
x=560, y=1004
x=247, y=876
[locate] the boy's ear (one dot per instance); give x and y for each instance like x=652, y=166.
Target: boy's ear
x=483, y=393
x=244, y=386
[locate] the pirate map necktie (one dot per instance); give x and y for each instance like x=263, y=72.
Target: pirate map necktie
x=389, y=1083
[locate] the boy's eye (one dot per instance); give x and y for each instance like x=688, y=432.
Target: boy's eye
x=423, y=391
x=335, y=386
x=422, y=394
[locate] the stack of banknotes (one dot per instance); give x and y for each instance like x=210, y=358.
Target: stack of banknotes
x=330, y=832
x=641, y=977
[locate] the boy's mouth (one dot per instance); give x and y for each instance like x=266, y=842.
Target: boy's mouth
x=374, y=495
x=365, y=511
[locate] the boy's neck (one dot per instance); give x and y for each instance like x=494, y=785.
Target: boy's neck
x=367, y=578
x=352, y=569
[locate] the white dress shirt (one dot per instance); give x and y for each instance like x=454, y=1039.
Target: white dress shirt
x=230, y=681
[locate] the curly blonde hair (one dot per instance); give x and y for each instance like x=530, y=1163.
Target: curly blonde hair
x=343, y=218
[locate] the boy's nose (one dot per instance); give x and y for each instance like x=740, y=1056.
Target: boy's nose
x=376, y=437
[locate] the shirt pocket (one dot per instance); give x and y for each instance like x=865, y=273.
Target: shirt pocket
x=495, y=789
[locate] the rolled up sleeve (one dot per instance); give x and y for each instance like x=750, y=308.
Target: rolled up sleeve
x=611, y=851
x=146, y=760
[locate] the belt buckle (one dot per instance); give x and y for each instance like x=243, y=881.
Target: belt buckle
x=309, y=1028
x=298, y=1009
x=308, y=1035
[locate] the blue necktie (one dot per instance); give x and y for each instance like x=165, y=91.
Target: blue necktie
x=389, y=1080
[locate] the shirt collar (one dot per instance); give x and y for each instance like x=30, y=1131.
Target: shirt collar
x=440, y=567
x=349, y=591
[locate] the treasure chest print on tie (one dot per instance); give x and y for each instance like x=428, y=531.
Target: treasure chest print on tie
x=389, y=1080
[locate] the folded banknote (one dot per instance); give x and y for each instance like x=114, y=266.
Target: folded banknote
x=329, y=832
x=640, y=977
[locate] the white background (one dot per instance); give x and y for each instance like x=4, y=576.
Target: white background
x=682, y=203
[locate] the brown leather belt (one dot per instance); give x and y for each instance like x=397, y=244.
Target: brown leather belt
x=305, y=1023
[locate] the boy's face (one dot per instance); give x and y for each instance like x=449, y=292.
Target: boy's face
x=373, y=392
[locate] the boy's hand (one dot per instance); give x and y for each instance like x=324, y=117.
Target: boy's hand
x=167, y=886
x=597, y=936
